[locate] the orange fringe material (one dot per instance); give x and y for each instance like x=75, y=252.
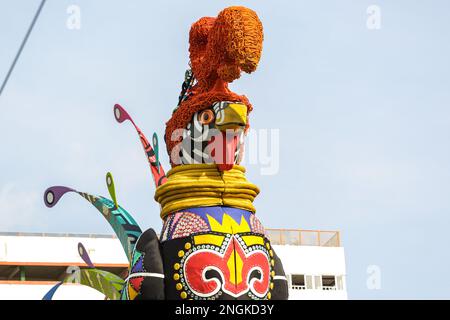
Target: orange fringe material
x=183, y=115
x=220, y=49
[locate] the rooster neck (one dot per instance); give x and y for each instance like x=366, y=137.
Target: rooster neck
x=220, y=86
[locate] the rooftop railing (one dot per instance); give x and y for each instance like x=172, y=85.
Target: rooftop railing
x=68, y=235
x=298, y=237
x=293, y=237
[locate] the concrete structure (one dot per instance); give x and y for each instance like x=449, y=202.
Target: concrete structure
x=30, y=264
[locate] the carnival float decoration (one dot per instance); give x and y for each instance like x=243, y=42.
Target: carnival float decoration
x=211, y=245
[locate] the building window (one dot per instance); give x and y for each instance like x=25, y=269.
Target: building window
x=298, y=282
x=309, y=282
x=328, y=283
x=339, y=282
x=317, y=282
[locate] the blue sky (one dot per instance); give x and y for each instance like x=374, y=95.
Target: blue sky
x=364, y=120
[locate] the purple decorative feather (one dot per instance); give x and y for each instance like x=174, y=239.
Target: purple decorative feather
x=53, y=194
x=84, y=255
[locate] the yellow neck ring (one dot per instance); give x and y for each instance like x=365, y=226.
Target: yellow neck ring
x=204, y=185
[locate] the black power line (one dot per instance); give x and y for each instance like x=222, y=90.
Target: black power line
x=21, y=46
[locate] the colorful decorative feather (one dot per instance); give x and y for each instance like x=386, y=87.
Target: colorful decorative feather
x=84, y=255
x=159, y=176
x=51, y=292
x=123, y=224
x=106, y=282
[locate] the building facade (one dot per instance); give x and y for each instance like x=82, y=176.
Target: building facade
x=31, y=263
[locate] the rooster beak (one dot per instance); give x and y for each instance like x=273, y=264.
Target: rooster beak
x=232, y=116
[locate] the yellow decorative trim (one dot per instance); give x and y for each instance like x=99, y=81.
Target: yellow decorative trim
x=208, y=239
x=132, y=293
x=204, y=185
x=228, y=225
x=252, y=240
x=235, y=265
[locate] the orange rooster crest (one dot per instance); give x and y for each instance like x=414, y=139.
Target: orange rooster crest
x=220, y=49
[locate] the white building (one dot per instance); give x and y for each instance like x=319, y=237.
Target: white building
x=30, y=264
x=313, y=261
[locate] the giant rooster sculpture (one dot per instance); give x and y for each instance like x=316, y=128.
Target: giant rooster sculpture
x=212, y=245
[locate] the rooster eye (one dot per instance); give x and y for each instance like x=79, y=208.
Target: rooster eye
x=206, y=117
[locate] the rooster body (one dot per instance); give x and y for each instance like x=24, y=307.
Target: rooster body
x=212, y=245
